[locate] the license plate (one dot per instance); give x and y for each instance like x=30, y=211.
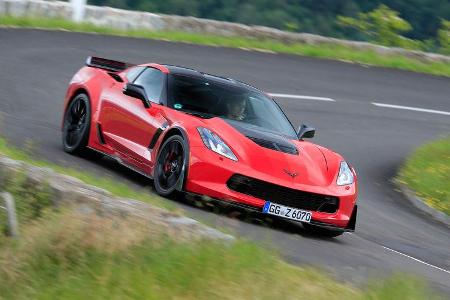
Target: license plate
x=287, y=212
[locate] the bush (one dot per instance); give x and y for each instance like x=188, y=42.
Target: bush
x=427, y=172
x=382, y=26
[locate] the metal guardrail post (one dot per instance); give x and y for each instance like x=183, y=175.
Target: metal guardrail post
x=78, y=10
x=10, y=207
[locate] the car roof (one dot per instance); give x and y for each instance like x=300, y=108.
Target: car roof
x=179, y=70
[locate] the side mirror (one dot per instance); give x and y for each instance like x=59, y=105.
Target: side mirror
x=304, y=131
x=137, y=91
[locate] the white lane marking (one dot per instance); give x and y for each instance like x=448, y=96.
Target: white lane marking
x=447, y=113
x=418, y=260
x=301, y=97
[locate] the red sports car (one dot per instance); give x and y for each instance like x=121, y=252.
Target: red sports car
x=208, y=135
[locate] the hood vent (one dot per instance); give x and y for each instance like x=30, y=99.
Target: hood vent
x=273, y=145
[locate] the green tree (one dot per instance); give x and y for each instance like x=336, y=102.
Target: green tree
x=382, y=26
x=423, y=17
x=444, y=37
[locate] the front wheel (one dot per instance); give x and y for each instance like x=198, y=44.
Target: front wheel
x=170, y=166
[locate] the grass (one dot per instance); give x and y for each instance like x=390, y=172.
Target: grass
x=107, y=183
x=69, y=255
x=66, y=254
x=427, y=172
x=329, y=51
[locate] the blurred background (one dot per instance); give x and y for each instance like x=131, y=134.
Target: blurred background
x=414, y=24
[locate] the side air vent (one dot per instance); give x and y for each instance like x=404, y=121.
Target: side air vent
x=285, y=147
x=100, y=137
x=115, y=76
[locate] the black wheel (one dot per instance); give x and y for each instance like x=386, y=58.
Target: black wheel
x=320, y=231
x=76, y=124
x=170, y=166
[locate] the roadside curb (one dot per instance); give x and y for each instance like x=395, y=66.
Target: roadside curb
x=421, y=205
x=67, y=190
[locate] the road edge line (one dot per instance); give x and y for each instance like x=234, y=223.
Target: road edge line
x=417, y=260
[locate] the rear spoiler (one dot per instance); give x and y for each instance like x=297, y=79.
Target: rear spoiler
x=107, y=64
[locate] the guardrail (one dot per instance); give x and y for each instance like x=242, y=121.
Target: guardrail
x=126, y=19
x=11, y=217
x=78, y=10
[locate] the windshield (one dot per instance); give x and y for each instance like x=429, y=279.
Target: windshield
x=209, y=96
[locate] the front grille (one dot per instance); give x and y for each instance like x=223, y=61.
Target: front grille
x=283, y=195
x=274, y=145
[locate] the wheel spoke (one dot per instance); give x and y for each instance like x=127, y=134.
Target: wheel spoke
x=83, y=111
x=71, y=127
x=176, y=153
x=172, y=148
x=171, y=180
x=74, y=108
x=73, y=112
x=82, y=118
x=73, y=136
x=70, y=138
x=161, y=174
x=180, y=165
x=78, y=106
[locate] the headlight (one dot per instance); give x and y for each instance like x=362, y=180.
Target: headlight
x=215, y=143
x=345, y=175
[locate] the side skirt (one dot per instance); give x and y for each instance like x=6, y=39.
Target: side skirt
x=121, y=162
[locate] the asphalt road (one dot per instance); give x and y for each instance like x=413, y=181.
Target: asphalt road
x=36, y=67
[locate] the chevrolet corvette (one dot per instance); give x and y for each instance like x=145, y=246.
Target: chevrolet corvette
x=207, y=135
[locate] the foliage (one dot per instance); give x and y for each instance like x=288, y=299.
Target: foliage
x=427, y=172
x=382, y=26
x=444, y=37
x=69, y=255
x=31, y=200
x=312, y=16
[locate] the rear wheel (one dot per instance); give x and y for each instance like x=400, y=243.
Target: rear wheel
x=170, y=166
x=76, y=127
x=76, y=124
x=320, y=231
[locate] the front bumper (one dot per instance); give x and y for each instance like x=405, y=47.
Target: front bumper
x=209, y=172
x=248, y=208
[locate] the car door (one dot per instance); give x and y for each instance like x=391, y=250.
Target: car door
x=128, y=126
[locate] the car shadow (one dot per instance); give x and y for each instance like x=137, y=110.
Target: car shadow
x=224, y=209
x=206, y=204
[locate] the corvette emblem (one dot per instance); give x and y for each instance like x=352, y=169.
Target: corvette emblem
x=293, y=175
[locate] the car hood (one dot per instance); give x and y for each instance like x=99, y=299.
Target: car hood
x=273, y=157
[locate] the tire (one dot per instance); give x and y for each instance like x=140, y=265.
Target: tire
x=170, y=166
x=76, y=125
x=320, y=231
